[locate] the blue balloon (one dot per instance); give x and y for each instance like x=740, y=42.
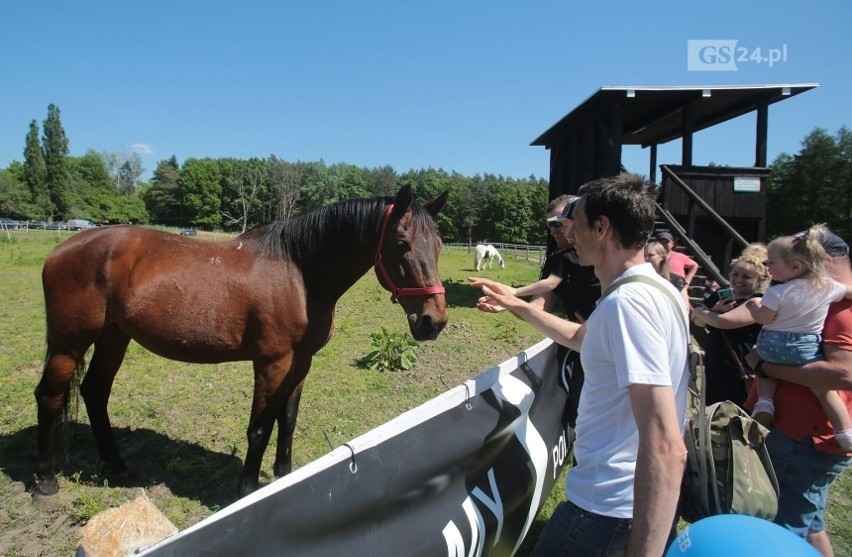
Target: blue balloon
x=732, y=535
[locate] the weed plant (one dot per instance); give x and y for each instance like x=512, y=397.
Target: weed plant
x=393, y=352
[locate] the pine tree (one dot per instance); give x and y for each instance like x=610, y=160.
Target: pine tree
x=55, y=145
x=162, y=200
x=812, y=186
x=34, y=171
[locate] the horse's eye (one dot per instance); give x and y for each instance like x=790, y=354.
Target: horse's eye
x=403, y=247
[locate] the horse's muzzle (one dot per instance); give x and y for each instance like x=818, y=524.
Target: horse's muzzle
x=426, y=328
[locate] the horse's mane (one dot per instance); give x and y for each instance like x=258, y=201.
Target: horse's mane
x=346, y=225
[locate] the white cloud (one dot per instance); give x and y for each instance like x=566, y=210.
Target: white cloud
x=142, y=149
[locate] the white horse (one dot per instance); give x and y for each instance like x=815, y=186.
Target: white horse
x=486, y=254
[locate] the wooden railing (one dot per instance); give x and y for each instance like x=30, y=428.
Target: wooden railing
x=518, y=251
x=683, y=236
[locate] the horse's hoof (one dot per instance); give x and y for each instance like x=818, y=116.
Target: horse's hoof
x=44, y=502
x=116, y=476
x=46, y=486
x=114, y=468
x=281, y=470
x=246, y=488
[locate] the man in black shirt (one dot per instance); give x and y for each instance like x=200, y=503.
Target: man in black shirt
x=579, y=290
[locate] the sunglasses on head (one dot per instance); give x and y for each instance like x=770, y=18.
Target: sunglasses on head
x=554, y=225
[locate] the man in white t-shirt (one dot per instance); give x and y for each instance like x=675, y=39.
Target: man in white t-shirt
x=623, y=492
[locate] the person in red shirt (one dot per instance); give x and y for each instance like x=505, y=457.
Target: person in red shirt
x=804, y=452
x=679, y=263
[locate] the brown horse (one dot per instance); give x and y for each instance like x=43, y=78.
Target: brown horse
x=267, y=296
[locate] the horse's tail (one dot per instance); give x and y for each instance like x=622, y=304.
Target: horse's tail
x=70, y=403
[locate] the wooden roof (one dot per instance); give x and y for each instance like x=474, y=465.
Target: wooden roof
x=654, y=115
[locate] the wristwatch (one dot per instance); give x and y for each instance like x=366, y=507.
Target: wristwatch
x=758, y=369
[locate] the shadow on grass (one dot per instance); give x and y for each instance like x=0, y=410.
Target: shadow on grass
x=187, y=469
x=459, y=293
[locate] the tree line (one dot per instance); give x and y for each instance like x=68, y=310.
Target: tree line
x=814, y=185
x=237, y=194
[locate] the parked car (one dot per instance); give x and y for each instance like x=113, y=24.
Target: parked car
x=188, y=232
x=8, y=224
x=80, y=224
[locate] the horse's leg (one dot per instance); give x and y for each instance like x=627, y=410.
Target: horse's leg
x=286, y=427
x=272, y=387
x=51, y=392
x=110, y=348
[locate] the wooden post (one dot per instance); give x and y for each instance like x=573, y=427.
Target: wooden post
x=652, y=171
x=615, y=134
x=760, y=143
x=686, y=151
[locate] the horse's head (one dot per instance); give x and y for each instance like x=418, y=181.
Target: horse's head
x=407, y=263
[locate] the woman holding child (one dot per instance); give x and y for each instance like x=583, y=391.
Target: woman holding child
x=732, y=332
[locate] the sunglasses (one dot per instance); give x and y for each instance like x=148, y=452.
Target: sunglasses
x=555, y=225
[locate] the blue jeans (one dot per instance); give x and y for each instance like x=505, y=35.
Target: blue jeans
x=804, y=476
x=792, y=349
x=574, y=532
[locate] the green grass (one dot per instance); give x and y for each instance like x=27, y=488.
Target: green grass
x=181, y=427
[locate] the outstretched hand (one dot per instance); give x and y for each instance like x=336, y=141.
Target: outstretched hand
x=496, y=296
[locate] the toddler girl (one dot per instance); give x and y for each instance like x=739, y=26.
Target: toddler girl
x=792, y=315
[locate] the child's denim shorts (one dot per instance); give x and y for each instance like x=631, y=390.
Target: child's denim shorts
x=792, y=349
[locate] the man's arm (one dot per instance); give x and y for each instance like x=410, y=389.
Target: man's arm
x=542, y=286
x=559, y=330
x=541, y=292
x=834, y=373
x=659, y=468
x=544, y=301
x=690, y=267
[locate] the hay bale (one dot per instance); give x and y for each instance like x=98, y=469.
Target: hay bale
x=124, y=530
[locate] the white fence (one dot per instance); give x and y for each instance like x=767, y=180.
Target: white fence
x=518, y=251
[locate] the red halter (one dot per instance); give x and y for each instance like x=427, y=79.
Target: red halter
x=389, y=285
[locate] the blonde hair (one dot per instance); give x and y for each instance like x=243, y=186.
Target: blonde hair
x=755, y=257
x=806, y=247
x=755, y=249
x=658, y=249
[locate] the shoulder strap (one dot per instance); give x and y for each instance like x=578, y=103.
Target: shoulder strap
x=650, y=282
x=734, y=355
x=701, y=381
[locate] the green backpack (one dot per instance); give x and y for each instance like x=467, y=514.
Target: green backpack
x=728, y=470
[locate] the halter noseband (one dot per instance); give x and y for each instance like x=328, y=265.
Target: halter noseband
x=389, y=285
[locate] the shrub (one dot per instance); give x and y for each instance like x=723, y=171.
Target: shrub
x=393, y=352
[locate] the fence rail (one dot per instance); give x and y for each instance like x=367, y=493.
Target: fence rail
x=518, y=251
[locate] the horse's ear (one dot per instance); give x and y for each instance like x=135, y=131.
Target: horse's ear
x=403, y=201
x=434, y=206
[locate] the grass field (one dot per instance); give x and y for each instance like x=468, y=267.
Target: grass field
x=181, y=427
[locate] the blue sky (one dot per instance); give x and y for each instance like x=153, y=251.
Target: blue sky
x=461, y=85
